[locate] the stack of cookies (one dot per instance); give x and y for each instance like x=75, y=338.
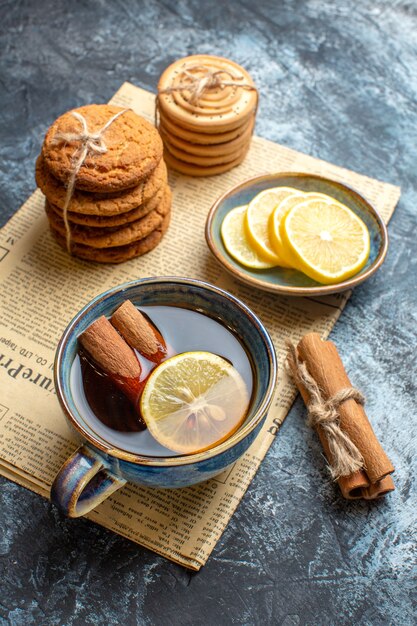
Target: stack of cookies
x=207, y=107
x=105, y=182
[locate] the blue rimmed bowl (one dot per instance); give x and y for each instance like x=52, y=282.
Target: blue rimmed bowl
x=98, y=467
x=285, y=281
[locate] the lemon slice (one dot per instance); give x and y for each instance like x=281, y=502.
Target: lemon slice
x=329, y=242
x=257, y=218
x=284, y=252
x=236, y=243
x=194, y=401
x=274, y=222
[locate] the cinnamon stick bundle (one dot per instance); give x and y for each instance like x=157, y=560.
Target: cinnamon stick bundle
x=332, y=402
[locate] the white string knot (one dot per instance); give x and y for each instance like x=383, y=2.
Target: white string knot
x=346, y=458
x=210, y=79
x=89, y=143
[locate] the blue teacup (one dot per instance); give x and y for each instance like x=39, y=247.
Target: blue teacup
x=98, y=468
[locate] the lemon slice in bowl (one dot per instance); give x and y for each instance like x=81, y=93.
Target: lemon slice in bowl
x=193, y=401
x=257, y=219
x=280, y=247
x=274, y=222
x=330, y=243
x=236, y=242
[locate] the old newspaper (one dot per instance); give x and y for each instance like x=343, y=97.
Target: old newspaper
x=42, y=288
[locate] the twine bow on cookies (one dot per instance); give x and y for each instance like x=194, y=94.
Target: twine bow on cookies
x=88, y=143
x=346, y=458
x=210, y=79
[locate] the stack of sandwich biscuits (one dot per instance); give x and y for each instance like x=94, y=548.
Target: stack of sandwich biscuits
x=206, y=114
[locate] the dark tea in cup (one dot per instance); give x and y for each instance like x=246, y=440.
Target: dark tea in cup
x=194, y=394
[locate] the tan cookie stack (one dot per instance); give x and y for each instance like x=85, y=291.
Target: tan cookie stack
x=105, y=182
x=206, y=109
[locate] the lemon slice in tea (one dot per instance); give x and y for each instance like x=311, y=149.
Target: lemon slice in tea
x=257, y=218
x=193, y=401
x=236, y=242
x=329, y=241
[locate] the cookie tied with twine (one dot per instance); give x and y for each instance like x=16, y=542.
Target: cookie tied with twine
x=356, y=458
x=105, y=183
x=203, y=103
x=132, y=145
x=196, y=80
x=86, y=143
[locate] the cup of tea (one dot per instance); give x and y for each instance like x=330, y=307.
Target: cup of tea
x=194, y=318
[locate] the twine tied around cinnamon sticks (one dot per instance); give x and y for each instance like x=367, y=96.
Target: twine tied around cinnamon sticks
x=210, y=79
x=89, y=143
x=344, y=409
x=346, y=458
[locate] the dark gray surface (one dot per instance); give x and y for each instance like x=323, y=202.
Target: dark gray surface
x=338, y=80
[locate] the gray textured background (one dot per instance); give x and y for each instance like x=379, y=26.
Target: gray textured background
x=338, y=80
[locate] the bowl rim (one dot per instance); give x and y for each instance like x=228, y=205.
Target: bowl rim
x=288, y=290
x=137, y=459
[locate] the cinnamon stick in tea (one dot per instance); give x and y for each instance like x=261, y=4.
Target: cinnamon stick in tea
x=138, y=332
x=324, y=365
x=113, y=355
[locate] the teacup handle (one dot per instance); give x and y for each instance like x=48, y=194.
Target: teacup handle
x=83, y=482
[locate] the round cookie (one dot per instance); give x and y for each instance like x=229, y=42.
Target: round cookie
x=205, y=161
x=120, y=253
x=113, y=237
x=96, y=221
x=197, y=170
x=201, y=137
x=133, y=149
x=100, y=204
x=220, y=108
x=204, y=150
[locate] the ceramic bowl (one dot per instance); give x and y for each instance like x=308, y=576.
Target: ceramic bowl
x=98, y=468
x=287, y=281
